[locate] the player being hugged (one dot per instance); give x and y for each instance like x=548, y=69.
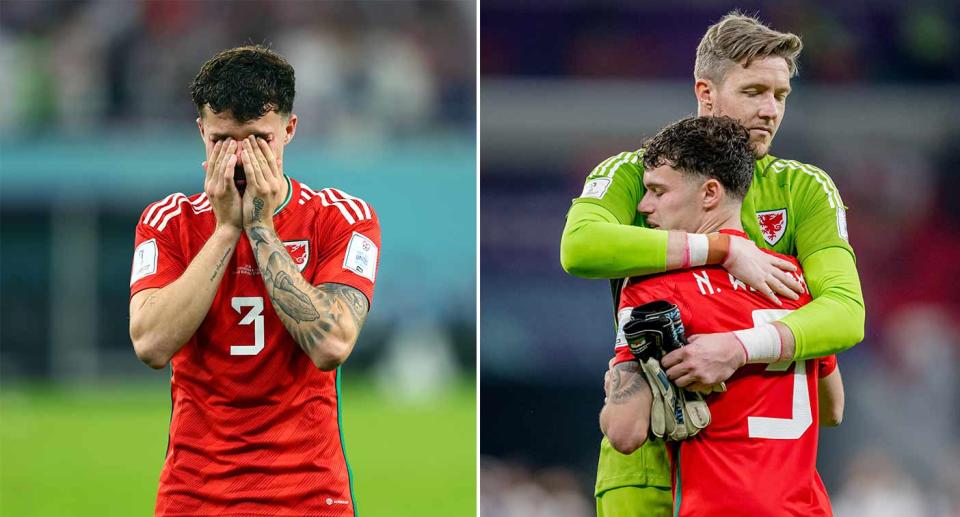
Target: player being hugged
x=255, y=291
x=757, y=456
x=742, y=70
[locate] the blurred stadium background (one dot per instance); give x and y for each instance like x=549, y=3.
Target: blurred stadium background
x=96, y=122
x=566, y=84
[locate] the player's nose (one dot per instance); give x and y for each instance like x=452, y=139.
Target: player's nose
x=646, y=206
x=768, y=108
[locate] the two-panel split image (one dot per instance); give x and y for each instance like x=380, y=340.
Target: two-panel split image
x=458, y=258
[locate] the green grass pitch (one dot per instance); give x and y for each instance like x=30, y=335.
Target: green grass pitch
x=98, y=451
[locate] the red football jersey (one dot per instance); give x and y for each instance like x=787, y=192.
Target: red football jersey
x=758, y=455
x=255, y=428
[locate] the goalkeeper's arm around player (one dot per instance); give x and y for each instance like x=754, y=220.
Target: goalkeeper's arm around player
x=595, y=244
x=163, y=319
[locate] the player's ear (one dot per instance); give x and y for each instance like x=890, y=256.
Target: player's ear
x=704, y=91
x=712, y=193
x=200, y=127
x=291, y=128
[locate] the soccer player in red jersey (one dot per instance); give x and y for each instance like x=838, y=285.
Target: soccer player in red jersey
x=255, y=291
x=758, y=455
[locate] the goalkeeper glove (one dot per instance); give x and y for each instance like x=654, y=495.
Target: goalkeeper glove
x=653, y=330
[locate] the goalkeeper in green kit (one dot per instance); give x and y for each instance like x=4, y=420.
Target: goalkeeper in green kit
x=743, y=71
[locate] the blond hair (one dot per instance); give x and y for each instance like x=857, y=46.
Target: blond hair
x=740, y=38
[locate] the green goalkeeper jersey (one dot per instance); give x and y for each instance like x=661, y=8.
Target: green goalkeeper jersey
x=791, y=207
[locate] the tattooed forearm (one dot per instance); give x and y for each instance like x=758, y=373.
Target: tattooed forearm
x=294, y=302
x=257, y=209
x=310, y=313
x=223, y=260
x=353, y=300
x=626, y=382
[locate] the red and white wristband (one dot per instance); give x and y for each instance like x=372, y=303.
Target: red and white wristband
x=700, y=249
x=760, y=344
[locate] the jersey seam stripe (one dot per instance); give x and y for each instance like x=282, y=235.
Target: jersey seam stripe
x=828, y=188
x=353, y=206
x=200, y=200
x=173, y=204
x=818, y=174
x=340, y=205
x=166, y=219
x=608, y=163
x=632, y=160
x=602, y=165
x=678, y=497
x=826, y=177
x=366, y=207
x=196, y=210
x=343, y=211
x=343, y=445
x=155, y=206
x=618, y=159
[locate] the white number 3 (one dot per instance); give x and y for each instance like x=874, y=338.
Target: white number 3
x=783, y=428
x=254, y=316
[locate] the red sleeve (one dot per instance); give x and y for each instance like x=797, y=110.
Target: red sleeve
x=638, y=291
x=157, y=256
x=826, y=366
x=350, y=250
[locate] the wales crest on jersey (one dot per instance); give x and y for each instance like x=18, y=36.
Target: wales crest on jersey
x=299, y=251
x=773, y=224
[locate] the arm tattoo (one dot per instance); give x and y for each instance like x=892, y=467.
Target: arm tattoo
x=257, y=209
x=223, y=260
x=627, y=381
x=308, y=312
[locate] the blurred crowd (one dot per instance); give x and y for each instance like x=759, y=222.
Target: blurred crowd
x=843, y=41
x=364, y=69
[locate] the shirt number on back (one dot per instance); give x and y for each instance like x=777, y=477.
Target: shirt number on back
x=783, y=428
x=255, y=316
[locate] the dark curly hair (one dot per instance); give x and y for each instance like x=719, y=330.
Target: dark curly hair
x=248, y=81
x=710, y=147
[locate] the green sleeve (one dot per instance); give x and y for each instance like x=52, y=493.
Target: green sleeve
x=600, y=239
x=833, y=321
x=595, y=245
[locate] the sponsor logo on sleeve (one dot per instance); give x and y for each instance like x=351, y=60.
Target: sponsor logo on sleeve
x=596, y=188
x=299, y=251
x=773, y=224
x=361, y=256
x=144, y=260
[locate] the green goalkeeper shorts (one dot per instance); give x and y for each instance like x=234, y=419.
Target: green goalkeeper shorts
x=637, y=484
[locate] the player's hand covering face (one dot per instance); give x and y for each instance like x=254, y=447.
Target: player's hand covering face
x=219, y=185
x=755, y=96
x=265, y=182
x=275, y=129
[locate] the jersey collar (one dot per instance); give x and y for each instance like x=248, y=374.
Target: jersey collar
x=763, y=164
x=287, y=199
